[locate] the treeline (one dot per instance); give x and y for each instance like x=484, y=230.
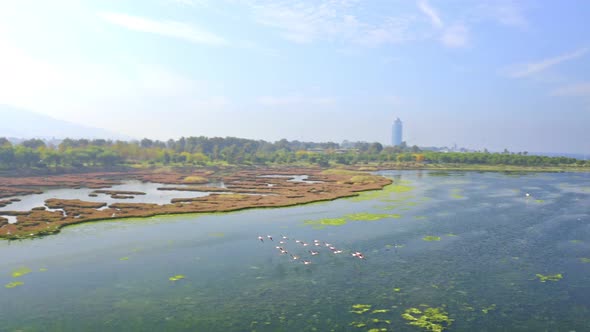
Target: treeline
x=76, y=153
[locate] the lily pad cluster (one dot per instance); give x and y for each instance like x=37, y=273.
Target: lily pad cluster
x=14, y=284
x=21, y=271
x=430, y=319
x=177, y=277
x=545, y=278
x=361, y=216
x=374, y=324
x=431, y=238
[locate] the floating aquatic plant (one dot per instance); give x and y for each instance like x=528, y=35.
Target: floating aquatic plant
x=488, y=309
x=358, y=324
x=430, y=319
x=539, y=201
x=42, y=269
x=360, y=308
x=14, y=284
x=575, y=241
x=124, y=258
x=379, y=311
x=384, y=194
x=21, y=271
x=431, y=238
x=365, y=216
x=177, y=277
x=382, y=329
x=545, y=278
x=585, y=260
x=321, y=223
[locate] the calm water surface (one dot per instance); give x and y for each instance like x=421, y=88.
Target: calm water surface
x=114, y=276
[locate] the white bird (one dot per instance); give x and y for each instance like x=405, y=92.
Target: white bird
x=261, y=238
x=527, y=195
x=306, y=262
x=313, y=252
x=269, y=237
x=358, y=254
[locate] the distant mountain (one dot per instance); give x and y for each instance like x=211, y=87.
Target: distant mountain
x=19, y=123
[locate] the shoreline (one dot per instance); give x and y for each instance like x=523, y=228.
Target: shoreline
x=333, y=183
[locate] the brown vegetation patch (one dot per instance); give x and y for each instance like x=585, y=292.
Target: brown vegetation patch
x=118, y=196
x=4, y=203
x=55, y=203
x=245, y=189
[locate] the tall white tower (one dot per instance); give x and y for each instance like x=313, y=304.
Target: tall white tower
x=396, y=132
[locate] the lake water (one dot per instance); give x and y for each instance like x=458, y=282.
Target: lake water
x=494, y=240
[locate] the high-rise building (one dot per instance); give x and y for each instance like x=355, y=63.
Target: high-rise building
x=396, y=132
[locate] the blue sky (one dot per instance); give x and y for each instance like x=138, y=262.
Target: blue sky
x=494, y=74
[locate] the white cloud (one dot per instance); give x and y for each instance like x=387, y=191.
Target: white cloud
x=307, y=22
x=295, y=100
x=573, y=90
x=529, y=69
x=507, y=12
x=173, y=29
x=432, y=14
x=455, y=35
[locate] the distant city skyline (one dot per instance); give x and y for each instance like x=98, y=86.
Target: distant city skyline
x=492, y=74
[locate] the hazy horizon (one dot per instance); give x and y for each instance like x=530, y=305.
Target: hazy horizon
x=495, y=75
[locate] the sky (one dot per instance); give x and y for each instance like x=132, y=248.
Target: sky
x=480, y=74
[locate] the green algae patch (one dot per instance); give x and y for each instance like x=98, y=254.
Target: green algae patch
x=21, y=271
x=431, y=238
x=14, y=284
x=360, y=308
x=430, y=319
x=380, y=311
x=553, y=277
x=451, y=234
x=488, y=309
x=375, y=329
x=43, y=269
x=177, y=277
x=358, y=324
x=321, y=223
x=124, y=258
x=585, y=260
x=385, y=193
x=539, y=201
x=575, y=241
x=365, y=216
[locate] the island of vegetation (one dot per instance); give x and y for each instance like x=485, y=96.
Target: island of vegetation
x=244, y=187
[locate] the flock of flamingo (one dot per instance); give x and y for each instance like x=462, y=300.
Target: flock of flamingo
x=316, y=244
